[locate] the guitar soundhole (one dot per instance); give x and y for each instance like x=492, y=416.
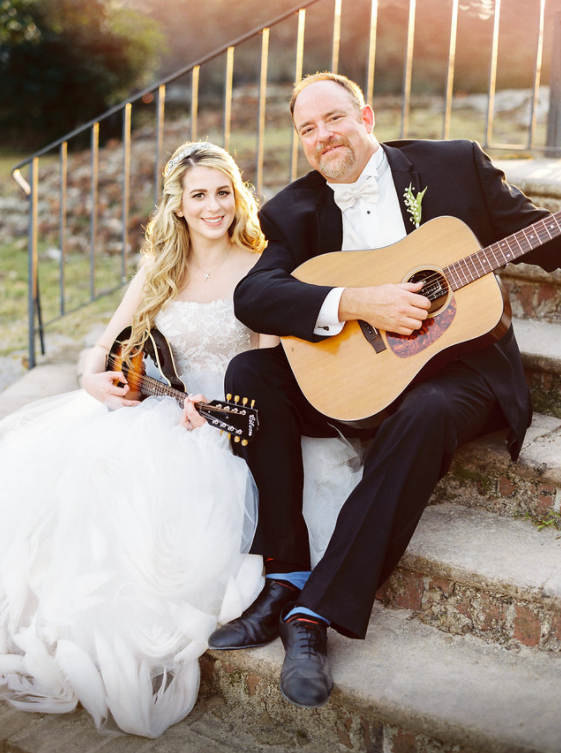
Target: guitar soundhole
x=435, y=288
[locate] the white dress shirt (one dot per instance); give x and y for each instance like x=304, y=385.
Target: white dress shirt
x=366, y=225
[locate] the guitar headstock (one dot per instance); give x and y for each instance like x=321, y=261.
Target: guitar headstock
x=237, y=417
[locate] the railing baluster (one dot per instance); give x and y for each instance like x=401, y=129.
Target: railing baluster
x=493, y=73
x=553, y=138
x=94, y=208
x=449, y=93
x=372, y=53
x=126, y=187
x=297, y=77
x=160, y=115
x=228, y=90
x=33, y=302
x=261, y=114
x=336, y=46
x=537, y=76
x=62, y=223
x=408, y=69
x=195, y=101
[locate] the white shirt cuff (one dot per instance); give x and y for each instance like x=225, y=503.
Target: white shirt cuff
x=328, y=318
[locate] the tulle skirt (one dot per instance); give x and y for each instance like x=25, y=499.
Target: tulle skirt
x=123, y=542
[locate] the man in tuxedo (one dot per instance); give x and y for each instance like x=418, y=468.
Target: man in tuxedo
x=354, y=199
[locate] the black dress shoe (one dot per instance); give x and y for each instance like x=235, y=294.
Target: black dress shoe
x=305, y=675
x=259, y=624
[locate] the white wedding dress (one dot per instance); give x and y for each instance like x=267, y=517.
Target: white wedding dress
x=124, y=538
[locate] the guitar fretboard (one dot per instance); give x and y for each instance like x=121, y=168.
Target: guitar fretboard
x=151, y=386
x=498, y=254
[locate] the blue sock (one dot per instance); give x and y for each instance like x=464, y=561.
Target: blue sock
x=297, y=579
x=308, y=612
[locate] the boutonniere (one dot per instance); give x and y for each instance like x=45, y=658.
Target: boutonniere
x=413, y=204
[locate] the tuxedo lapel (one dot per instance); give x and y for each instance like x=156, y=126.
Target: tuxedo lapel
x=330, y=223
x=404, y=175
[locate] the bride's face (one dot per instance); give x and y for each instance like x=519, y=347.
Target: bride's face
x=208, y=203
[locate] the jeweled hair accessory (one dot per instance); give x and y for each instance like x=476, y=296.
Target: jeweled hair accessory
x=198, y=145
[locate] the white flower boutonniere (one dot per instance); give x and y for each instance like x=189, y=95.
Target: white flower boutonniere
x=413, y=204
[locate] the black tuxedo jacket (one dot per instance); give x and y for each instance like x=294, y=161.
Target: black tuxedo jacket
x=303, y=221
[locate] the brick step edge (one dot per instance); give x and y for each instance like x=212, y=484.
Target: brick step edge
x=483, y=474
x=533, y=293
x=467, y=570
x=540, y=346
x=405, y=682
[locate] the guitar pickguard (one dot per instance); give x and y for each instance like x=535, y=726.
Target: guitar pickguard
x=405, y=346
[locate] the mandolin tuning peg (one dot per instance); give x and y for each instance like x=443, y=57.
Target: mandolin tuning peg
x=252, y=404
x=237, y=399
x=244, y=401
x=236, y=439
x=244, y=443
x=229, y=397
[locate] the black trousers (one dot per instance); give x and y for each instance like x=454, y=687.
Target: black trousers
x=408, y=454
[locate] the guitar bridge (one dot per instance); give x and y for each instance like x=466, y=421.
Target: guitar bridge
x=372, y=335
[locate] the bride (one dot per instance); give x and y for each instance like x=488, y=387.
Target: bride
x=122, y=530
x=125, y=531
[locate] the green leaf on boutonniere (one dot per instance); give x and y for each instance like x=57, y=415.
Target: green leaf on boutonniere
x=413, y=204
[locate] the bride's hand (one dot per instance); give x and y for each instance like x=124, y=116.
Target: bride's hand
x=103, y=387
x=191, y=419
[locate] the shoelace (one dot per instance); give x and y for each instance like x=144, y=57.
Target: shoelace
x=307, y=635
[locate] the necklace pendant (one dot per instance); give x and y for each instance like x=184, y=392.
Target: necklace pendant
x=206, y=275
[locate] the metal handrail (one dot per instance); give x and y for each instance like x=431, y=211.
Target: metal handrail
x=157, y=93
x=163, y=82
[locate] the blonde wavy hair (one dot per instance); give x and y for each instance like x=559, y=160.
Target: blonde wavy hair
x=167, y=240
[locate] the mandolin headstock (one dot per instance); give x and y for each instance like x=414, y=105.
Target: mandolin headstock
x=235, y=416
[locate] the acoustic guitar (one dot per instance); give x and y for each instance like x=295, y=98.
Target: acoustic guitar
x=355, y=376
x=151, y=371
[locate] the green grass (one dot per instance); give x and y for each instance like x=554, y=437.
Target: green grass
x=14, y=298
x=551, y=519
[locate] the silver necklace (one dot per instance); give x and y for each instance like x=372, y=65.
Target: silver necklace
x=207, y=275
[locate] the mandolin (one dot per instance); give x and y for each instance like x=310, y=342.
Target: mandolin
x=151, y=371
x=355, y=376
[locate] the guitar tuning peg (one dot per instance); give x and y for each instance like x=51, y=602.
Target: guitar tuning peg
x=244, y=401
x=237, y=399
x=236, y=439
x=244, y=442
x=221, y=432
x=252, y=404
x=229, y=397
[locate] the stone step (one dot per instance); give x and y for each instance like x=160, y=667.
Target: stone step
x=208, y=729
x=483, y=474
x=540, y=345
x=533, y=293
x=467, y=570
x=407, y=687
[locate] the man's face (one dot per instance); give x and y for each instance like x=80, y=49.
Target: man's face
x=335, y=134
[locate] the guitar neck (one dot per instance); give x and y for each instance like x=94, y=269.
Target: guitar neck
x=495, y=256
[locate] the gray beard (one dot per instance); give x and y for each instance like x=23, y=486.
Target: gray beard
x=337, y=169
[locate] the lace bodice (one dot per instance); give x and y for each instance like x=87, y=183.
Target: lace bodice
x=204, y=337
